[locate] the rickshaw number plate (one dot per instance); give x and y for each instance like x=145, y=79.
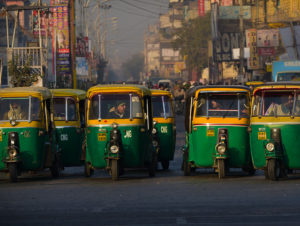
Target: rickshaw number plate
x=210, y=133
x=262, y=135
x=101, y=136
x=0, y=136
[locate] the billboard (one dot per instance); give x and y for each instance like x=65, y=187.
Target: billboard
x=267, y=38
x=224, y=44
x=61, y=42
x=44, y=23
x=251, y=40
x=233, y=12
x=82, y=67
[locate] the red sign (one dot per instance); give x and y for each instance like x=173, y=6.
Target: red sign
x=267, y=51
x=201, y=7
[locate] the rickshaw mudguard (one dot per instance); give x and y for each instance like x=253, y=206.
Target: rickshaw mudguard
x=135, y=146
x=70, y=141
x=290, y=141
x=202, y=145
x=32, y=153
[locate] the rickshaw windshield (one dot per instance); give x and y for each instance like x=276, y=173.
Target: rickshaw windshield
x=111, y=106
x=21, y=109
x=162, y=107
x=276, y=103
x=64, y=109
x=223, y=105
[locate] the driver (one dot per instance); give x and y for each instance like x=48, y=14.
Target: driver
x=119, y=111
x=16, y=112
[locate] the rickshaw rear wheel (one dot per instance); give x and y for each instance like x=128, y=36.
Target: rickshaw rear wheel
x=88, y=171
x=153, y=165
x=165, y=164
x=273, y=169
x=55, y=168
x=221, y=168
x=186, y=165
x=115, y=169
x=13, y=172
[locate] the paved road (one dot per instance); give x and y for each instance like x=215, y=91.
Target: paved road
x=168, y=199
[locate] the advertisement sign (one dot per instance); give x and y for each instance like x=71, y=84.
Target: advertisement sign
x=224, y=45
x=61, y=41
x=253, y=61
x=268, y=38
x=201, y=6
x=44, y=23
x=223, y=2
x=82, y=48
x=233, y=12
x=82, y=67
x=267, y=51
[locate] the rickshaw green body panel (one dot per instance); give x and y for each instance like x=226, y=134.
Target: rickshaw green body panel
x=70, y=142
x=202, y=147
x=167, y=140
x=32, y=147
x=136, y=149
x=290, y=144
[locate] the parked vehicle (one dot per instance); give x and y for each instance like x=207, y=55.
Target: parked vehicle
x=164, y=125
x=275, y=128
x=286, y=70
x=118, y=132
x=216, y=123
x=27, y=132
x=69, y=122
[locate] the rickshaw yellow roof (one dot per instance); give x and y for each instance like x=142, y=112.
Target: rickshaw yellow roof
x=26, y=91
x=278, y=85
x=69, y=92
x=160, y=92
x=254, y=83
x=118, y=88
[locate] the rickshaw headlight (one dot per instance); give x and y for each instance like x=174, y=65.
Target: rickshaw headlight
x=12, y=142
x=270, y=146
x=154, y=131
x=13, y=122
x=155, y=143
x=115, y=125
x=12, y=153
x=114, y=149
x=221, y=148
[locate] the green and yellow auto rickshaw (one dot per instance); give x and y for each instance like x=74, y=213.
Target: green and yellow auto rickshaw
x=164, y=125
x=216, y=122
x=275, y=127
x=27, y=131
x=118, y=129
x=69, y=107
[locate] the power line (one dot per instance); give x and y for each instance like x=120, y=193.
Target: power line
x=138, y=7
x=133, y=13
x=152, y=4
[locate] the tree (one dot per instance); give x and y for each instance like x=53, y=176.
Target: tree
x=192, y=41
x=22, y=75
x=133, y=66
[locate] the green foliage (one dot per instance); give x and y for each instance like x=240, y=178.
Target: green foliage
x=21, y=76
x=192, y=41
x=133, y=66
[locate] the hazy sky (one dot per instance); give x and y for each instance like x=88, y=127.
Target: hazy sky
x=133, y=18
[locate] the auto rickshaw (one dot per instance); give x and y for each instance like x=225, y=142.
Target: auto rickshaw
x=69, y=122
x=27, y=131
x=275, y=128
x=164, y=125
x=119, y=129
x=216, y=123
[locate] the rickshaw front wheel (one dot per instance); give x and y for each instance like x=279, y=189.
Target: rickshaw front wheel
x=165, y=164
x=115, y=169
x=13, y=172
x=273, y=169
x=88, y=171
x=221, y=168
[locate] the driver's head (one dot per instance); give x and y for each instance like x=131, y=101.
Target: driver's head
x=121, y=108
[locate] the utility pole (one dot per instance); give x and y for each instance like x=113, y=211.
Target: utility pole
x=241, y=69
